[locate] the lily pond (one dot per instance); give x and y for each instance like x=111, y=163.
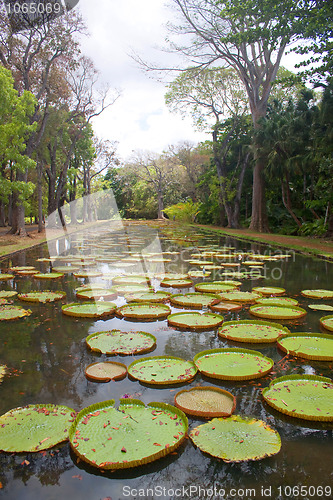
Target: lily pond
x=136, y=315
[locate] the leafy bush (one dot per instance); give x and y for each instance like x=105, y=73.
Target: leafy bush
x=184, y=212
x=316, y=228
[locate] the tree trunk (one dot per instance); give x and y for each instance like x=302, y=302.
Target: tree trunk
x=287, y=202
x=2, y=215
x=160, y=204
x=18, y=214
x=40, y=198
x=259, y=221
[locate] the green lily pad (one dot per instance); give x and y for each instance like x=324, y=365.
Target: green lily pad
x=134, y=434
x=91, y=286
x=327, y=322
x=206, y=402
x=252, y=331
x=269, y=290
x=201, y=263
x=45, y=296
x=96, y=294
x=315, y=346
x=7, y=294
x=130, y=289
x=172, y=276
x=144, y=311
x=238, y=296
x=196, y=300
x=34, y=427
x=158, y=296
x=16, y=269
x=215, y=287
x=233, y=364
x=8, y=313
x=48, y=276
x=304, y=396
x=27, y=272
x=195, y=320
x=226, y=307
x=318, y=294
x=236, y=439
x=176, y=283
x=277, y=312
x=130, y=279
x=88, y=274
x=199, y=274
x=97, y=309
x=6, y=276
x=277, y=301
x=318, y=307
x=162, y=370
x=106, y=371
x=66, y=269
x=117, y=342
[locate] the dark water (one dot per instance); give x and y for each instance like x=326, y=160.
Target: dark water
x=46, y=356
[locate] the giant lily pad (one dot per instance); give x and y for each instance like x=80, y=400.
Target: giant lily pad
x=206, y=402
x=195, y=320
x=97, y=309
x=318, y=294
x=277, y=301
x=162, y=370
x=130, y=289
x=176, y=283
x=277, y=312
x=134, y=434
x=303, y=396
x=45, y=296
x=236, y=439
x=316, y=346
x=172, y=276
x=158, y=296
x=8, y=313
x=17, y=269
x=320, y=307
x=144, y=311
x=215, y=287
x=48, y=276
x=34, y=427
x=252, y=331
x=88, y=274
x=130, y=279
x=327, y=322
x=238, y=296
x=226, y=307
x=96, y=294
x=269, y=290
x=66, y=269
x=6, y=276
x=196, y=300
x=106, y=371
x=117, y=342
x=233, y=364
x=7, y=294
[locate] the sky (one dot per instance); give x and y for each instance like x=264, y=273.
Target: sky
x=139, y=120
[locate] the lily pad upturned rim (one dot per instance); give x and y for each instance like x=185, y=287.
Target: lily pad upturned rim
x=323, y=323
x=21, y=313
x=291, y=411
x=176, y=283
x=215, y=287
x=206, y=413
x=320, y=307
x=182, y=378
x=6, y=276
x=224, y=306
x=284, y=331
x=173, y=320
x=81, y=314
x=269, y=290
x=42, y=296
x=162, y=311
x=44, y=440
x=160, y=296
x=91, y=294
x=317, y=293
x=227, y=351
x=48, y=276
x=180, y=299
x=236, y=438
x=7, y=294
x=116, y=364
x=240, y=296
x=277, y=301
x=101, y=409
x=269, y=314
x=298, y=352
x=119, y=351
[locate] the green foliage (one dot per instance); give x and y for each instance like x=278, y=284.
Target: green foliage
x=315, y=228
x=183, y=212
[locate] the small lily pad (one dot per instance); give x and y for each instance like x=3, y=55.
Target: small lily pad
x=304, y=396
x=96, y=294
x=158, y=296
x=316, y=346
x=277, y=312
x=277, y=301
x=45, y=296
x=176, y=283
x=226, y=307
x=206, y=402
x=238, y=296
x=252, y=331
x=8, y=313
x=196, y=300
x=215, y=287
x=7, y=294
x=195, y=320
x=320, y=307
x=269, y=290
x=97, y=309
x=117, y=342
x=88, y=274
x=6, y=276
x=236, y=439
x=66, y=269
x=162, y=370
x=133, y=435
x=48, y=276
x=106, y=371
x=327, y=322
x=144, y=311
x=233, y=364
x=318, y=294
x=16, y=269
x=34, y=427
x=128, y=289
x=131, y=279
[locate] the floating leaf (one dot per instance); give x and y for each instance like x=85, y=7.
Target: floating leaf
x=162, y=370
x=90, y=310
x=269, y=290
x=252, y=331
x=315, y=346
x=144, y=311
x=34, y=427
x=304, y=396
x=130, y=279
x=277, y=301
x=206, y=402
x=106, y=371
x=236, y=439
x=238, y=296
x=66, y=269
x=327, y=322
x=134, y=434
x=48, y=276
x=7, y=294
x=96, y=294
x=196, y=300
x=176, y=283
x=6, y=277
x=8, y=313
x=320, y=307
x=3, y=371
x=45, y=296
x=226, y=307
x=158, y=296
x=233, y=364
x=117, y=342
x=277, y=312
x=195, y=320
x=318, y=294
x=215, y=287
x=88, y=274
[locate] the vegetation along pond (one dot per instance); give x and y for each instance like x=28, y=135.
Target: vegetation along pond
x=271, y=437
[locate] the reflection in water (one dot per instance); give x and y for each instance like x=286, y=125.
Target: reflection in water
x=46, y=355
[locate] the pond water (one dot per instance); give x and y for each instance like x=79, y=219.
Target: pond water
x=46, y=356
